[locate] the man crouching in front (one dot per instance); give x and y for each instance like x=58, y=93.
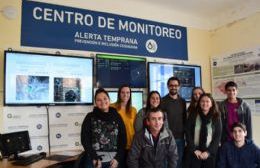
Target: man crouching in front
x=154, y=146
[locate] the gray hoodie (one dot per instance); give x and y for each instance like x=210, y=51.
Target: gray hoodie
x=144, y=154
x=244, y=115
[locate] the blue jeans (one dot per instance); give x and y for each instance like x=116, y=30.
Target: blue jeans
x=180, y=147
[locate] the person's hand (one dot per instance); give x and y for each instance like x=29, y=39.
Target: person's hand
x=97, y=163
x=113, y=163
x=197, y=153
x=204, y=155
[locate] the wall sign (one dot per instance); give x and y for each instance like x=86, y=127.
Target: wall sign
x=243, y=67
x=54, y=26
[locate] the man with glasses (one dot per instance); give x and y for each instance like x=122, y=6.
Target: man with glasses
x=175, y=107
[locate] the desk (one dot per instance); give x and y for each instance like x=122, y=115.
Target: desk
x=39, y=164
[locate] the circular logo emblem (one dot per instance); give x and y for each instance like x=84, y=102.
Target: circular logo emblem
x=39, y=147
x=58, y=136
x=58, y=115
x=76, y=143
x=39, y=126
x=76, y=124
x=151, y=46
x=9, y=115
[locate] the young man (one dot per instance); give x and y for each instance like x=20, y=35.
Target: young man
x=234, y=109
x=154, y=146
x=175, y=107
x=241, y=152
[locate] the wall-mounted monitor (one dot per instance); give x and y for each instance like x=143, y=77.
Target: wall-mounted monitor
x=137, y=98
x=112, y=71
x=46, y=79
x=159, y=73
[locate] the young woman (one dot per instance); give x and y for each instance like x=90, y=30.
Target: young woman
x=128, y=113
x=203, y=133
x=195, y=95
x=103, y=134
x=153, y=101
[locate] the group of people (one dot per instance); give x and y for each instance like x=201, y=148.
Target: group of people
x=166, y=135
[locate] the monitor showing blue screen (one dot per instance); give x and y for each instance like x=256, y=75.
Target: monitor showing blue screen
x=159, y=73
x=40, y=79
x=114, y=71
x=137, y=98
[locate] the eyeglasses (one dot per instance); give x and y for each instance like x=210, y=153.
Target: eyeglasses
x=173, y=85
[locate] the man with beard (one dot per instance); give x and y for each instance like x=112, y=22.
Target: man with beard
x=175, y=107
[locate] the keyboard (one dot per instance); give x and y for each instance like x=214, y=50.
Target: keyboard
x=29, y=160
x=58, y=157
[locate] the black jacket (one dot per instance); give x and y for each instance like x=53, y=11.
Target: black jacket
x=216, y=134
x=103, y=132
x=176, y=114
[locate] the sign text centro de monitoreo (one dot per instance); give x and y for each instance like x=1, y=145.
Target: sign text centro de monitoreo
x=53, y=26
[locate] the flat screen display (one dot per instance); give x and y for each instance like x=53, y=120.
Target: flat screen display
x=137, y=98
x=114, y=71
x=45, y=79
x=159, y=73
x=15, y=143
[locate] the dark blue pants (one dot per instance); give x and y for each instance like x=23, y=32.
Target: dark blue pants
x=89, y=164
x=180, y=147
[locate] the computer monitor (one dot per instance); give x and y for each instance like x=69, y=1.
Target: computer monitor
x=47, y=79
x=159, y=73
x=112, y=71
x=15, y=143
x=137, y=98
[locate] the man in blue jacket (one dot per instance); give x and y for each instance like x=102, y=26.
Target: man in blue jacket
x=241, y=152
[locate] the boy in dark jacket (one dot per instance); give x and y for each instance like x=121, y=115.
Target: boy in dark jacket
x=239, y=153
x=154, y=146
x=234, y=109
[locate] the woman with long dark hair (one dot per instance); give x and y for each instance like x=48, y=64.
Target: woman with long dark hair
x=195, y=96
x=153, y=101
x=203, y=133
x=128, y=113
x=103, y=135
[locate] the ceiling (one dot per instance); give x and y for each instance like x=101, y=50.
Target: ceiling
x=217, y=12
